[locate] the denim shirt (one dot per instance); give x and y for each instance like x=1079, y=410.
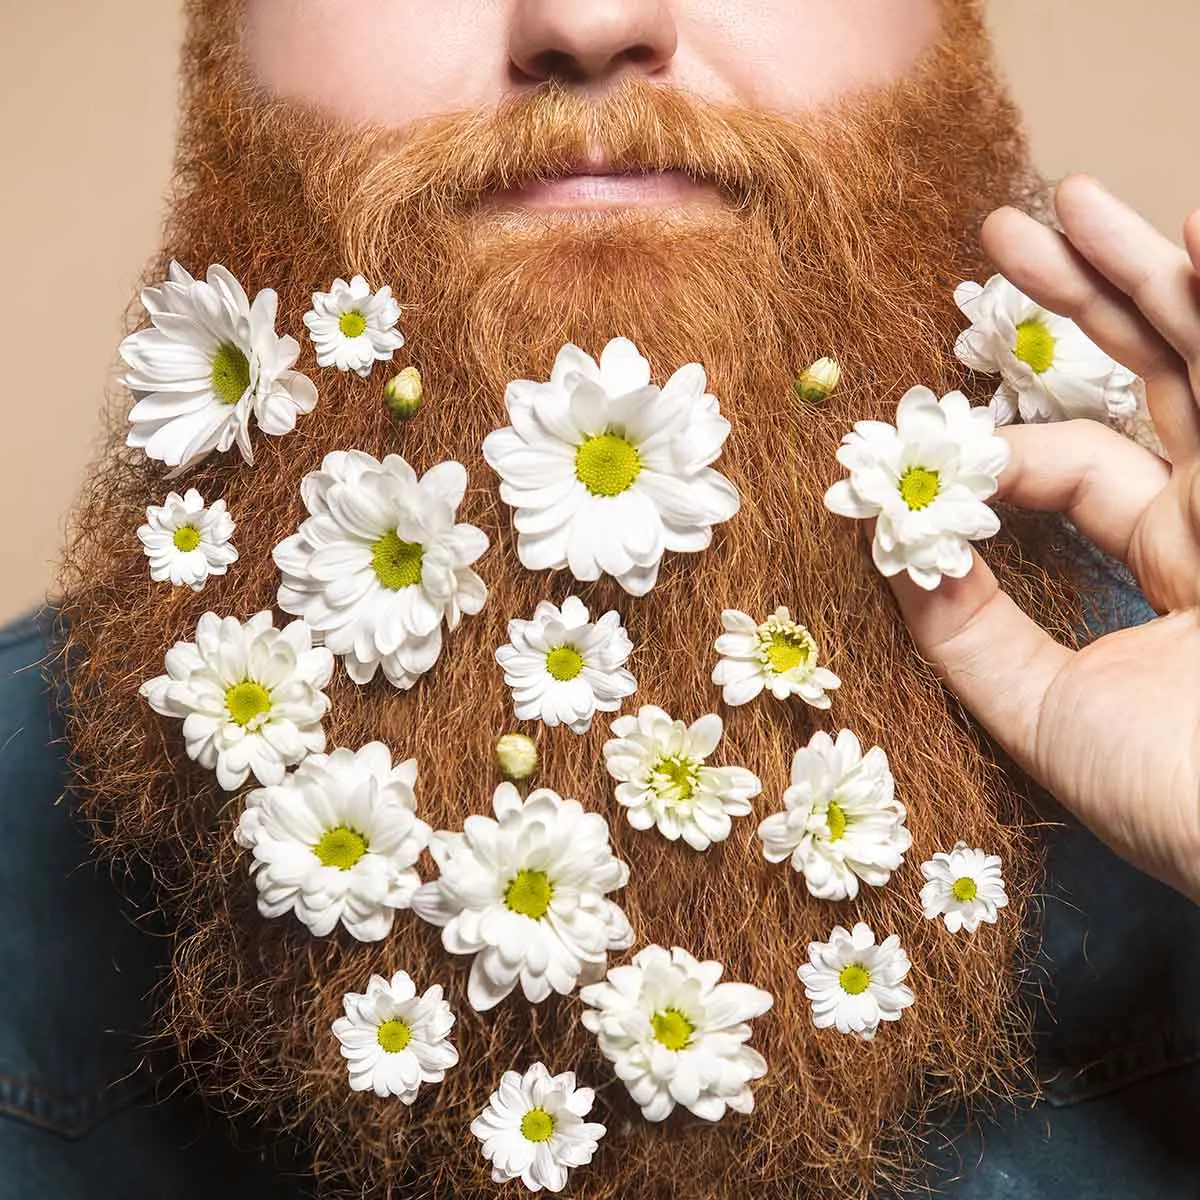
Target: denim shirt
x=80, y=1119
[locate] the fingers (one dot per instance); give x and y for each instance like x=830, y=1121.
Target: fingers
x=1102, y=482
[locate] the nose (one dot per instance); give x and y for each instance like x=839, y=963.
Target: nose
x=585, y=41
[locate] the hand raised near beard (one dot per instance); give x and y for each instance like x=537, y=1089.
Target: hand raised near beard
x=1111, y=730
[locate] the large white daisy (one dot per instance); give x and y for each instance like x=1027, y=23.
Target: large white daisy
x=1049, y=369
x=526, y=894
x=663, y=778
x=965, y=888
x=337, y=840
x=394, y=1040
x=778, y=655
x=380, y=565
x=676, y=1035
x=926, y=480
x=209, y=362
x=854, y=984
x=564, y=668
x=249, y=696
x=842, y=821
x=533, y=1128
x=187, y=542
x=352, y=327
x=608, y=472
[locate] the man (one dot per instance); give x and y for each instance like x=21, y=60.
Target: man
x=744, y=190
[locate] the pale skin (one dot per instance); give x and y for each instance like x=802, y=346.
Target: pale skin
x=1113, y=730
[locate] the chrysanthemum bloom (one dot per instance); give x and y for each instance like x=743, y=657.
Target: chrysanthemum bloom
x=965, y=888
x=187, y=542
x=352, y=327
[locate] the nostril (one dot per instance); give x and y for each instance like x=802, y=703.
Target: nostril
x=557, y=64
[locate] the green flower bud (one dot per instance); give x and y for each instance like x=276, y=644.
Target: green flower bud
x=516, y=755
x=402, y=394
x=819, y=381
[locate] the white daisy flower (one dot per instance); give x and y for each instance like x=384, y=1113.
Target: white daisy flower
x=380, y=564
x=854, y=984
x=352, y=327
x=525, y=894
x=249, y=696
x=842, y=821
x=676, y=1035
x=779, y=655
x=563, y=668
x=663, y=779
x=965, y=888
x=210, y=361
x=394, y=1040
x=926, y=480
x=337, y=840
x=186, y=542
x=533, y=1128
x=1049, y=369
x=608, y=472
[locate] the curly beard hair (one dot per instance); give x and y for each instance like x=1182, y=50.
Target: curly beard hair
x=845, y=233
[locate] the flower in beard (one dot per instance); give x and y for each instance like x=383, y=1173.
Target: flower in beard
x=608, y=472
x=664, y=780
x=352, y=327
x=563, y=668
x=394, y=1040
x=526, y=894
x=380, y=564
x=187, y=542
x=925, y=481
x=676, y=1035
x=210, y=361
x=249, y=696
x=533, y=1128
x=1049, y=369
x=337, y=840
x=842, y=821
x=965, y=888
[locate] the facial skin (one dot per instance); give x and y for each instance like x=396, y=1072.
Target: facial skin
x=395, y=61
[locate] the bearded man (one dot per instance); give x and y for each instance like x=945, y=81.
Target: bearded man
x=746, y=190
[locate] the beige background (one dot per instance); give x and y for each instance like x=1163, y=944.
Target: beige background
x=87, y=93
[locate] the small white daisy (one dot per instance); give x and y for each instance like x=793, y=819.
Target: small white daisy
x=533, y=1128
x=337, y=840
x=352, y=327
x=249, y=696
x=842, y=821
x=926, y=480
x=854, y=984
x=526, y=895
x=394, y=1040
x=563, y=668
x=380, y=564
x=662, y=777
x=186, y=542
x=779, y=655
x=1049, y=369
x=608, y=472
x=965, y=888
x=209, y=362
x=676, y=1035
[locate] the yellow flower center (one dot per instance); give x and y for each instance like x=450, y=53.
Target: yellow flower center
x=607, y=464
x=1035, y=345
x=564, y=664
x=340, y=847
x=230, y=373
x=530, y=894
x=675, y=775
x=537, y=1125
x=672, y=1029
x=854, y=979
x=919, y=487
x=835, y=817
x=397, y=563
x=187, y=538
x=787, y=649
x=353, y=324
x=394, y=1035
x=965, y=888
x=247, y=700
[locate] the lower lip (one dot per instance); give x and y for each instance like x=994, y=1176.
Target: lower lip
x=658, y=189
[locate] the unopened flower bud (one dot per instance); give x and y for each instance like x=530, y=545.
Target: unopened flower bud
x=402, y=394
x=516, y=755
x=819, y=381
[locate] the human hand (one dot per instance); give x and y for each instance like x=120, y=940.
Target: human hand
x=1111, y=730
